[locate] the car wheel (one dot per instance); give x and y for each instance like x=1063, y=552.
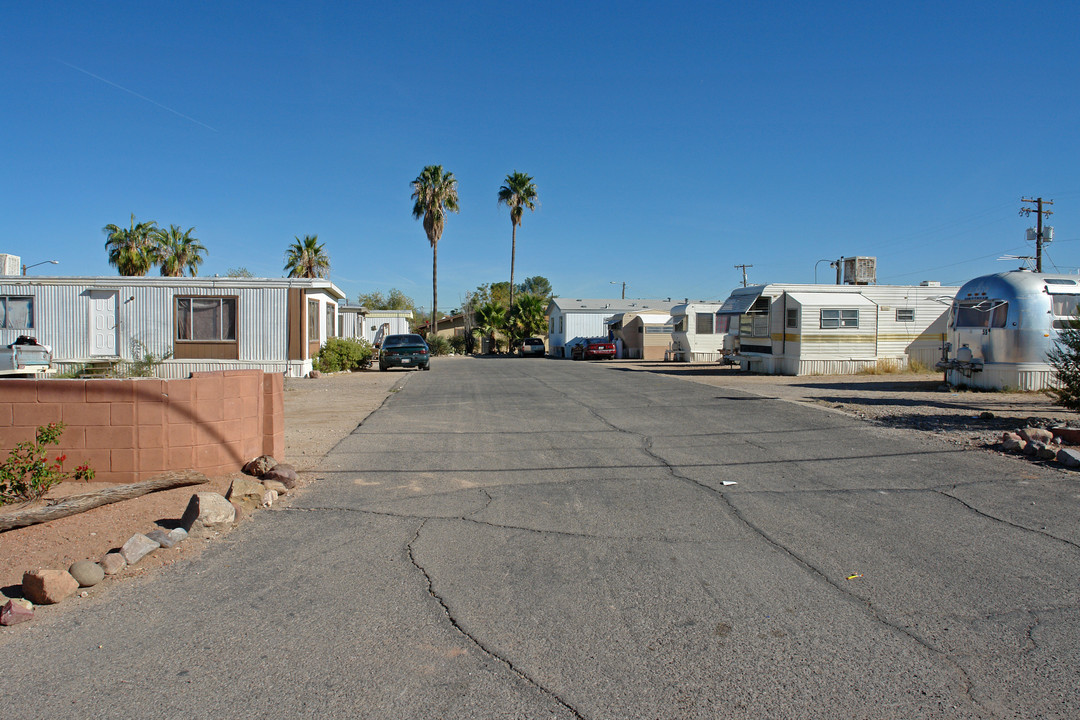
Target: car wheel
x=382, y=368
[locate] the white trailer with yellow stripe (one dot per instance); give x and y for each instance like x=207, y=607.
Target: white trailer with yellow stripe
x=789, y=329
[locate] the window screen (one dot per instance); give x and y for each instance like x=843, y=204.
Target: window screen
x=205, y=318
x=17, y=312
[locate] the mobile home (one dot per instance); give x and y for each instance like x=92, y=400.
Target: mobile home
x=193, y=324
x=696, y=336
x=641, y=335
x=571, y=321
x=1002, y=326
x=360, y=323
x=788, y=329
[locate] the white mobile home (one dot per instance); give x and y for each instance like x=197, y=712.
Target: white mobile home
x=787, y=329
x=641, y=335
x=571, y=321
x=197, y=324
x=696, y=336
x=363, y=324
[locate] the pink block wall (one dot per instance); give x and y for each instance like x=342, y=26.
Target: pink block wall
x=130, y=430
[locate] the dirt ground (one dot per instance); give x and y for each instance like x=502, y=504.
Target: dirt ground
x=320, y=412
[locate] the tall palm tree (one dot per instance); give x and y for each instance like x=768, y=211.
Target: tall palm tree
x=518, y=193
x=131, y=250
x=177, y=251
x=435, y=193
x=306, y=258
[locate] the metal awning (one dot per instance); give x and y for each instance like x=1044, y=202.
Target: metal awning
x=738, y=304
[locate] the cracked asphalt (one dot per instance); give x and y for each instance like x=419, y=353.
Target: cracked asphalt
x=510, y=538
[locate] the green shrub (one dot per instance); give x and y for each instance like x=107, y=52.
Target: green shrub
x=457, y=342
x=438, y=345
x=344, y=354
x=27, y=474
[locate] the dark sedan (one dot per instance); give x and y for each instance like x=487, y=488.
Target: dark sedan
x=404, y=351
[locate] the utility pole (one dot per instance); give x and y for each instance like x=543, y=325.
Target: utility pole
x=743, y=272
x=1039, y=212
x=616, y=282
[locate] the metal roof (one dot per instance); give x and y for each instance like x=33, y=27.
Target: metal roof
x=610, y=306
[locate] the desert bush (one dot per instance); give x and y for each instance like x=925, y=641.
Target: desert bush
x=457, y=343
x=27, y=474
x=145, y=363
x=344, y=354
x=438, y=345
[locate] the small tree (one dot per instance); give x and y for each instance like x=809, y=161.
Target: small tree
x=1065, y=359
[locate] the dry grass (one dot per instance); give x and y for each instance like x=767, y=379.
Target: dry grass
x=891, y=366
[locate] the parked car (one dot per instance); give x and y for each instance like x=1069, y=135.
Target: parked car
x=531, y=347
x=592, y=350
x=404, y=351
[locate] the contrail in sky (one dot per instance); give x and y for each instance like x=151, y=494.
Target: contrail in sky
x=141, y=97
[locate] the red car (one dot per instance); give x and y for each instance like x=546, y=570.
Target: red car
x=593, y=349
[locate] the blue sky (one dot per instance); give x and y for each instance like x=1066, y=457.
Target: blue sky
x=669, y=141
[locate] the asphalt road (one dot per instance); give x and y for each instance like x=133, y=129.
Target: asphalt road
x=510, y=538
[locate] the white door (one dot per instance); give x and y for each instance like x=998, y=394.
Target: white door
x=103, y=330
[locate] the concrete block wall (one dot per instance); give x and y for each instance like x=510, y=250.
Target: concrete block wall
x=130, y=430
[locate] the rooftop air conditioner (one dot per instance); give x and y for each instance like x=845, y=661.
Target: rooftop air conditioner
x=10, y=264
x=860, y=270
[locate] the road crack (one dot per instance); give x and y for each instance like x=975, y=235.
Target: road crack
x=520, y=673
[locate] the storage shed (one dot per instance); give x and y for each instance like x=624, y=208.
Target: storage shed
x=788, y=329
x=195, y=324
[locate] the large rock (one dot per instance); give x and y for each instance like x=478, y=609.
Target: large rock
x=1069, y=457
x=47, y=587
x=87, y=573
x=178, y=535
x=248, y=494
x=284, y=475
x=162, y=538
x=260, y=465
x=276, y=486
x=137, y=547
x=1046, y=452
x=208, y=511
x=1035, y=434
x=113, y=563
x=12, y=613
x=1011, y=442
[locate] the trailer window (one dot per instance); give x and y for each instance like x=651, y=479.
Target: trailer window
x=981, y=314
x=793, y=318
x=1065, y=309
x=839, y=318
x=905, y=314
x=17, y=312
x=722, y=323
x=704, y=323
x=207, y=319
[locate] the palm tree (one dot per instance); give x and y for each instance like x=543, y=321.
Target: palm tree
x=490, y=318
x=131, y=250
x=306, y=258
x=527, y=316
x=518, y=193
x=177, y=251
x=435, y=193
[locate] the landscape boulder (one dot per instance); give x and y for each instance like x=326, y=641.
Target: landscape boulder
x=246, y=493
x=113, y=563
x=276, y=486
x=1069, y=457
x=13, y=613
x=260, y=465
x=1035, y=434
x=87, y=573
x=284, y=475
x=1011, y=442
x=137, y=547
x=47, y=587
x=314, y=374
x=208, y=511
x=162, y=538
x=178, y=535
x=1046, y=452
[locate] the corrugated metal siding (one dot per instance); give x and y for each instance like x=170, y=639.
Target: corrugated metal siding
x=585, y=325
x=145, y=314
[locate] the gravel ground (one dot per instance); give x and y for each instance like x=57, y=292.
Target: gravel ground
x=910, y=401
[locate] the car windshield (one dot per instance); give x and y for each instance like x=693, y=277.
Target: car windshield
x=400, y=340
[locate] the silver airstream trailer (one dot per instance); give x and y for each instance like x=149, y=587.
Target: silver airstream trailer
x=1002, y=326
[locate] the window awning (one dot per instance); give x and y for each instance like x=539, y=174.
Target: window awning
x=740, y=303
